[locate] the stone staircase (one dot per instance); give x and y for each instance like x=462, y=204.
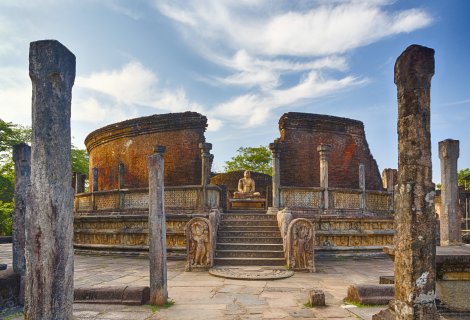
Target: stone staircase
x=249, y=238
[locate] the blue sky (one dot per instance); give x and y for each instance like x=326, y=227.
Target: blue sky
x=243, y=63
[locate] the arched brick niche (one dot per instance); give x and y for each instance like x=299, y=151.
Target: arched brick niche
x=130, y=142
x=301, y=133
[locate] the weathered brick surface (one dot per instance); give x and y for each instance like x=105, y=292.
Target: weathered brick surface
x=301, y=133
x=131, y=142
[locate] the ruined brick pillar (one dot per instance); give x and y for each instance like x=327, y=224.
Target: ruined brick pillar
x=415, y=241
x=206, y=169
x=49, y=217
x=157, y=228
x=276, y=178
x=324, y=150
x=450, y=217
x=22, y=160
x=79, y=182
x=362, y=185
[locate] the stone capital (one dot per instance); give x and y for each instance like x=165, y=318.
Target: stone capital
x=275, y=147
x=449, y=149
x=159, y=149
x=414, y=68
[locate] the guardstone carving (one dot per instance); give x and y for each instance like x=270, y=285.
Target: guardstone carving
x=300, y=244
x=199, y=244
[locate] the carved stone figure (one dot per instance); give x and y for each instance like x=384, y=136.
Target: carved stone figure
x=246, y=187
x=198, y=234
x=301, y=239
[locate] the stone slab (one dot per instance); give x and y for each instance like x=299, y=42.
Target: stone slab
x=113, y=295
x=386, y=280
x=369, y=294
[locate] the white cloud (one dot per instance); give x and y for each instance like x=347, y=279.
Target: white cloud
x=15, y=95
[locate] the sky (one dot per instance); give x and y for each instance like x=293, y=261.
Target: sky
x=244, y=63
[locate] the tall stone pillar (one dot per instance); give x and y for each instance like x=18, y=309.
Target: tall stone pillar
x=362, y=185
x=49, y=218
x=206, y=169
x=324, y=150
x=450, y=217
x=121, y=173
x=22, y=159
x=415, y=241
x=276, y=171
x=157, y=228
x=94, y=183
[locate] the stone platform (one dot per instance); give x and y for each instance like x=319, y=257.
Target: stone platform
x=248, y=204
x=251, y=273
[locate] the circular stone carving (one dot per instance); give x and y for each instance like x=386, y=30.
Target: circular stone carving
x=251, y=273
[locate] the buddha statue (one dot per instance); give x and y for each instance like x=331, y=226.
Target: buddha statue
x=246, y=187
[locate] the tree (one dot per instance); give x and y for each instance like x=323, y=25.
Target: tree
x=257, y=159
x=80, y=160
x=464, y=173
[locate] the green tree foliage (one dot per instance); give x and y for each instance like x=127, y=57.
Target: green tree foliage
x=5, y=218
x=80, y=160
x=464, y=173
x=257, y=159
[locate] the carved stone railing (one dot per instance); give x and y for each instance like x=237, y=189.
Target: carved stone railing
x=178, y=198
x=338, y=199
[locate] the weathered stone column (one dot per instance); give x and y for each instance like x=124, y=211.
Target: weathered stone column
x=49, y=217
x=206, y=170
x=157, y=228
x=276, y=179
x=22, y=159
x=121, y=172
x=94, y=183
x=362, y=185
x=450, y=217
x=415, y=243
x=324, y=150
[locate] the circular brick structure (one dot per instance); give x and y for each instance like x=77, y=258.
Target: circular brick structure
x=129, y=143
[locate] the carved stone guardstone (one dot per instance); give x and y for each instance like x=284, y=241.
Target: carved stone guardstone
x=199, y=244
x=300, y=244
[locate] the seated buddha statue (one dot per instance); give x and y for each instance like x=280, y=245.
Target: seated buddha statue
x=246, y=187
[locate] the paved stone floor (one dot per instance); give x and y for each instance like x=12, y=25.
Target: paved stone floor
x=198, y=295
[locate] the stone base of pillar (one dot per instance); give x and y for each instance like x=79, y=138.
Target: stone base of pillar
x=386, y=314
x=272, y=210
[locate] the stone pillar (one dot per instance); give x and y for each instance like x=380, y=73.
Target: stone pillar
x=121, y=171
x=362, y=185
x=79, y=182
x=450, y=217
x=49, y=217
x=276, y=179
x=324, y=150
x=22, y=159
x=206, y=170
x=415, y=241
x=94, y=179
x=157, y=228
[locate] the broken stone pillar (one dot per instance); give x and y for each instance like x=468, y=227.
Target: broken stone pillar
x=79, y=182
x=276, y=179
x=121, y=172
x=415, y=244
x=22, y=159
x=362, y=185
x=324, y=150
x=157, y=229
x=206, y=169
x=94, y=183
x=389, y=179
x=450, y=217
x=49, y=216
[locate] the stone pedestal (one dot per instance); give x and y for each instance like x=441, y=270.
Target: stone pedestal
x=450, y=216
x=49, y=216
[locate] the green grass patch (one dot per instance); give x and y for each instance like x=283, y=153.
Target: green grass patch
x=17, y=315
x=308, y=305
x=166, y=305
x=357, y=304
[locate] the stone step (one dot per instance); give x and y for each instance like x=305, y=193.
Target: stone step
x=253, y=234
x=258, y=222
x=250, y=246
x=251, y=240
x=249, y=228
x=252, y=254
x=247, y=216
x=249, y=261
x=247, y=211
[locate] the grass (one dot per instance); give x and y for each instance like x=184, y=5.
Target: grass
x=357, y=304
x=166, y=305
x=14, y=316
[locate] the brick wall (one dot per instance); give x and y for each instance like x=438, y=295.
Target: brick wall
x=301, y=133
x=131, y=142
